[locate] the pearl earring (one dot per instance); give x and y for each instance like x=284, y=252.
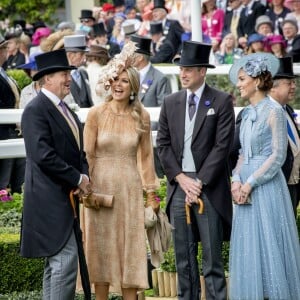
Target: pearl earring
x=131, y=96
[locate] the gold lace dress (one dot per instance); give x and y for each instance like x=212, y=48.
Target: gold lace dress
x=121, y=164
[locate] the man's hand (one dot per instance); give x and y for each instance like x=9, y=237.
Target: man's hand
x=190, y=186
x=84, y=187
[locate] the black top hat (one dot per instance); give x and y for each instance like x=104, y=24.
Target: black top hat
x=142, y=43
x=285, y=68
x=194, y=54
x=22, y=23
x=98, y=29
x=156, y=27
x=87, y=14
x=159, y=4
x=51, y=62
x=118, y=3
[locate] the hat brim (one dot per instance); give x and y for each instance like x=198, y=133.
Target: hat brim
x=3, y=44
x=271, y=61
x=28, y=66
x=285, y=76
x=141, y=51
x=51, y=70
x=177, y=62
x=76, y=49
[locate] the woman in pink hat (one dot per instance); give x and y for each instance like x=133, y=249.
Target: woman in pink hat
x=276, y=44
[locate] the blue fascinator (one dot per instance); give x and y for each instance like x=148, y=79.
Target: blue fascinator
x=254, y=65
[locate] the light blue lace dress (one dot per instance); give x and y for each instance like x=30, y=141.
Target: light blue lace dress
x=264, y=249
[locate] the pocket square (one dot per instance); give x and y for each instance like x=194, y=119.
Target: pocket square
x=210, y=112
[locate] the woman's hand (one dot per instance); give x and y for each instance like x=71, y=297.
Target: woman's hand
x=245, y=192
x=236, y=191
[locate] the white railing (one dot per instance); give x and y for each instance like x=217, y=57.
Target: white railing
x=15, y=147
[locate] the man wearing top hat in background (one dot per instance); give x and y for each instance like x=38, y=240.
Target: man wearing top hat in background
x=55, y=166
x=75, y=46
x=98, y=36
x=196, y=128
x=119, y=6
x=172, y=29
x=86, y=18
x=163, y=50
x=283, y=91
x=154, y=85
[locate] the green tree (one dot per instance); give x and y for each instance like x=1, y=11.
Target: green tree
x=30, y=11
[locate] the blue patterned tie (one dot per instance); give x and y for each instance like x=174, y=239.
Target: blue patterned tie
x=290, y=132
x=76, y=77
x=192, y=106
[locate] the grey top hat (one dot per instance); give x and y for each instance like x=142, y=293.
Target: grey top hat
x=129, y=29
x=75, y=43
x=254, y=65
x=51, y=62
x=194, y=54
x=292, y=20
x=263, y=20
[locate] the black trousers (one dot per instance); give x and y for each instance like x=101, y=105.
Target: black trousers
x=207, y=226
x=294, y=193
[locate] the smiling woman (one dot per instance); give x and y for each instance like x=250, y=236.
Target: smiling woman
x=117, y=138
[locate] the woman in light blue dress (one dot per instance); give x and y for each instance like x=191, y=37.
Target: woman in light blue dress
x=264, y=247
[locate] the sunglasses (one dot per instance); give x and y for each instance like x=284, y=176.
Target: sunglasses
x=85, y=20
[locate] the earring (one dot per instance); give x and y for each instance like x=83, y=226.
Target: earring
x=256, y=87
x=131, y=96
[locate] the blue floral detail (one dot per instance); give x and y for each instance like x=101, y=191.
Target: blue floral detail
x=207, y=103
x=255, y=67
x=149, y=82
x=294, y=115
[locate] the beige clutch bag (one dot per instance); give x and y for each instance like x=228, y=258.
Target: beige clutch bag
x=97, y=200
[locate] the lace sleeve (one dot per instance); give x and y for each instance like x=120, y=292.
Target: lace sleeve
x=236, y=171
x=277, y=123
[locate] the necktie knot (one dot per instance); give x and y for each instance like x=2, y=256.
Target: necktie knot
x=192, y=106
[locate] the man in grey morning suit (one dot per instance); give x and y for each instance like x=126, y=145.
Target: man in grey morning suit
x=55, y=165
x=196, y=129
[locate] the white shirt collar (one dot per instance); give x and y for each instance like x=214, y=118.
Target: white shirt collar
x=143, y=72
x=51, y=96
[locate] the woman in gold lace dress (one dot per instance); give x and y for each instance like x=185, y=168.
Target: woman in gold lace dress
x=118, y=145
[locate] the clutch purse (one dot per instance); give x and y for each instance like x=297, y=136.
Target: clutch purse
x=97, y=200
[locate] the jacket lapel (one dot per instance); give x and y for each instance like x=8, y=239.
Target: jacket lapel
x=180, y=106
x=205, y=104
x=145, y=85
x=60, y=120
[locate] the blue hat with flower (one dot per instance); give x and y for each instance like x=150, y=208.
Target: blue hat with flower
x=254, y=65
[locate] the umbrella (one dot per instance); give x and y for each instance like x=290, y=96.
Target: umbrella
x=193, y=248
x=85, y=280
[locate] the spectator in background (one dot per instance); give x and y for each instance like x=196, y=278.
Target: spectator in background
x=250, y=12
x=295, y=12
x=277, y=13
x=98, y=36
x=232, y=16
x=120, y=7
x=75, y=46
x=172, y=29
x=154, y=85
x=255, y=43
x=107, y=12
x=276, y=44
x=117, y=36
x=38, y=37
x=162, y=48
x=97, y=57
x=264, y=25
x=228, y=52
x=87, y=20
x=25, y=43
x=145, y=13
x=12, y=169
x=14, y=56
x=212, y=22
x=290, y=33
x=283, y=91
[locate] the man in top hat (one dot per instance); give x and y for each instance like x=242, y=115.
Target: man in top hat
x=154, y=85
x=290, y=32
x=196, y=128
x=162, y=48
x=98, y=36
x=86, y=18
x=55, y=166
x=172, y=29
x=75, y=46
x=283, y=91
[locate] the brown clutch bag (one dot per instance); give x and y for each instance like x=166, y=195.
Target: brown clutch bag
x=97, y=200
